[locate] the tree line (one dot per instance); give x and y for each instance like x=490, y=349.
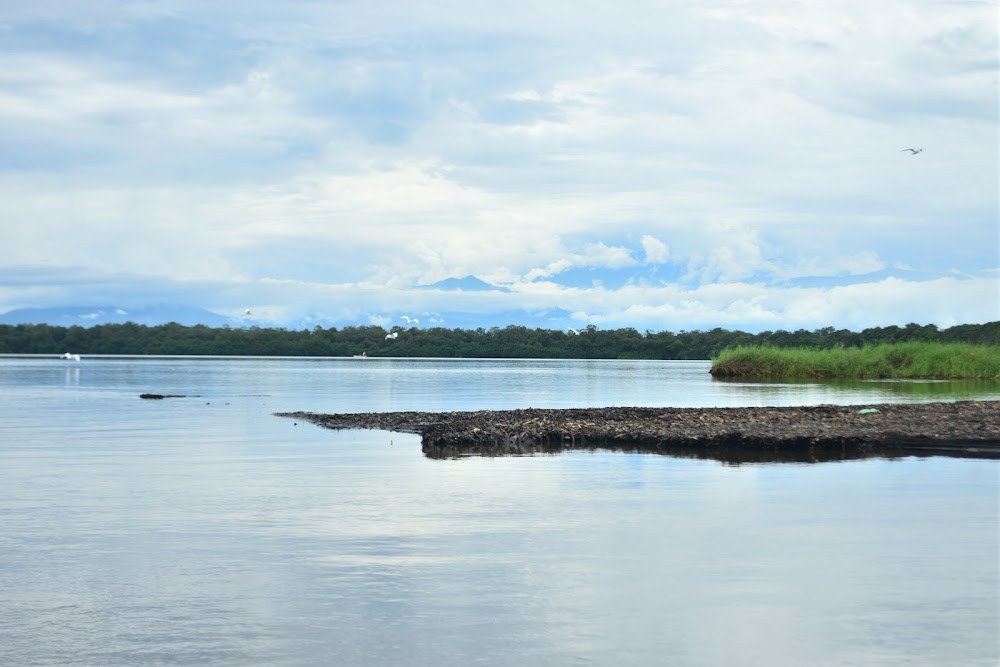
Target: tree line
x=509, y=342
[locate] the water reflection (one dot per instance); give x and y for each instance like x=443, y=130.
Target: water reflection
x=899, y=389
x=389, y=384
x=801, y=452
x=207, y=531
x=731, y=455
x=72, y=377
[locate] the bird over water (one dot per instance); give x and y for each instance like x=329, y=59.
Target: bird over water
x=913, y=151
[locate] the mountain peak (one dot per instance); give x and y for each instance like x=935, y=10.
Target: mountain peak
x=467, y=284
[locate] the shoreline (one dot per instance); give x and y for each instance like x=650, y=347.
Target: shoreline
x=966, y=429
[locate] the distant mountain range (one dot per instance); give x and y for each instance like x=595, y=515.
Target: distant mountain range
x=88, y=316
x=550, y=318
x=188, y=316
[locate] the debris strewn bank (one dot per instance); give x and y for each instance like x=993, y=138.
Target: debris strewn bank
x=809, y=433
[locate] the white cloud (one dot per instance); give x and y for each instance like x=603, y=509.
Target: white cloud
x=602, y=255
x=944, y=302
x=657, y=252
x=324, y=148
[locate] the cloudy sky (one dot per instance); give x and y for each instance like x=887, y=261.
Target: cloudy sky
x=662, y=165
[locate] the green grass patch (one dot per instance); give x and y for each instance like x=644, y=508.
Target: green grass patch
x=900, y=360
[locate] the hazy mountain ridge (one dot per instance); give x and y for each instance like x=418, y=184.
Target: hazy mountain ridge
x=466, y=284
x=85, y=316
x=88, y=316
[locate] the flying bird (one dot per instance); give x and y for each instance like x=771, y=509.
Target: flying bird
x=410, y=320
x=913, y=151
x=70, y=357
x=392, y=336
x=574, y=331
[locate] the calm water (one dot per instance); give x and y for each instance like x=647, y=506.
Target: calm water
x=205, y=530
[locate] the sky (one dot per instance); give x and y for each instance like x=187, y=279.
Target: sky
x=661, y=165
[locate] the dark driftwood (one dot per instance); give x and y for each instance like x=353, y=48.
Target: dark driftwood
x=811, y=433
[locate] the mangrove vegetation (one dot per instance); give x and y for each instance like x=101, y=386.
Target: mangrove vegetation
x=913, y=359
x=509, y=342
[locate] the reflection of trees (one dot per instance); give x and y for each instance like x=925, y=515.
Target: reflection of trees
x=498, y=342
x=920, y=388
x=733, y=455
x=801, y=452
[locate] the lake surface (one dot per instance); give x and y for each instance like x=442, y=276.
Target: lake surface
x=205, y=530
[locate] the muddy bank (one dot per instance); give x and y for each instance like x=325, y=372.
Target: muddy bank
x=811, y=433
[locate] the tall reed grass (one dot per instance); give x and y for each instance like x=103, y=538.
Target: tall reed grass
x=899, y=360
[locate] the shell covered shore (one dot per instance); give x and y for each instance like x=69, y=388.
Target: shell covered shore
x=807, y=434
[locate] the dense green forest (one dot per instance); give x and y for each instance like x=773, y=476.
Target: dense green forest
x=508, y=342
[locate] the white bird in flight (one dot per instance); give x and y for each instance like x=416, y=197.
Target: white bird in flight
x=913, y=151
x=70, y=357
x=574, y=331
x=392, y=336
x=410, y=320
